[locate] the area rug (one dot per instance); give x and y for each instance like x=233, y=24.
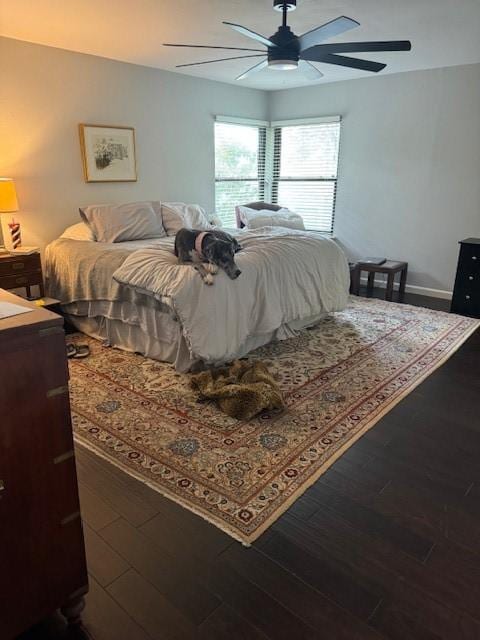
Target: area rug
x=339, y=378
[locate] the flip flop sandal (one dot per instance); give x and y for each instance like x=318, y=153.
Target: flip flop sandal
x=71, y=350
x=81, y=351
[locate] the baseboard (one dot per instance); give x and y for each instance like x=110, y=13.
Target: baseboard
x=412, y=288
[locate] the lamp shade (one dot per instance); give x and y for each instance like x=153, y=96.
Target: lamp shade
x=8, y=196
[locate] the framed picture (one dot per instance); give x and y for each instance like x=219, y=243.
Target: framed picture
x=108, y=153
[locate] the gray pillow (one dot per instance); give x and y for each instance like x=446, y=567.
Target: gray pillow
x=176, y=215
x=122, y=222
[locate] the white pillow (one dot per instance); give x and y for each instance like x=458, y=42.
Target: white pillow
x=176, y=215
x=253, y=219
x=123, y=222
x=79, y=231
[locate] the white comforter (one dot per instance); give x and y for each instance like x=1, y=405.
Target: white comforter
x=286, y=276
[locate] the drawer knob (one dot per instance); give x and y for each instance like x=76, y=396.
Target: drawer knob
x=474, y=257
x=467, y=297
x=18, y=266
x=470, y=277
x=21, y=280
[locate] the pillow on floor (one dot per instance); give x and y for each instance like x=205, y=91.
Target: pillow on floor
x=253, y=219
x=123, y=222
x=176, y=215
x=80, y=231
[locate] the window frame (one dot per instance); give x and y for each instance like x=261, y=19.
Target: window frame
x=277, y=127
x=262, y=126
x=270, y=134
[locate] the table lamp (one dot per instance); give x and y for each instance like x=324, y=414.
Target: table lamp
x=9, y=204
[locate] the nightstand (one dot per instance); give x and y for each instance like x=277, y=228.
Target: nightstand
x=390, y=268
x=21, y=271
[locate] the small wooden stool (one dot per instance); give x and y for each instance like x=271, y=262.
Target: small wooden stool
x=390, y=268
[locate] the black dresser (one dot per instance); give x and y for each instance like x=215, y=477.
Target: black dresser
x=466, y=294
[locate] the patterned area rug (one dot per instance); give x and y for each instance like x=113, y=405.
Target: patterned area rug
x=339, y=378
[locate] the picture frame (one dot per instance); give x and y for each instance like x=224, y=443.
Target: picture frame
x=108, y=153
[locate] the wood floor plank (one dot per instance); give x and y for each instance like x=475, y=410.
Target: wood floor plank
x=325, y=574
x=304, y=507
x=454, y=403
x=103, y=562
x=399, y=464
x=358, y=488
x=305, y=602
x=439, y=429
x=116, y=488
x=170, y=575
x=105, y=619
x=429, y=514
x=411, y=615
x=470, y=503
x=462, y=567
x=176, y=534
x=252, y=603
x=436, y=454
x=375, y=559
x=366, y=519
x=149, y=608
x=95, y=511
x=225, y=624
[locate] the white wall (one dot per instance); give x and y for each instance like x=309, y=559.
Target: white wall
x=409, y=181
x=45, y=93
x=409, y=175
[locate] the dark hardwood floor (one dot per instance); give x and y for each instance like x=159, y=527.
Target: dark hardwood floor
x=385, y=545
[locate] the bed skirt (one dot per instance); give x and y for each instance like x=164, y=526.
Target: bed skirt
x=142, y=335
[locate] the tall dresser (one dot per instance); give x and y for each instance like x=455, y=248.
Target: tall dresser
x=42, y=555
x=466, y=293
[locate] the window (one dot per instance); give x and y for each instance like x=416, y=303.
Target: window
x=291, y=163
x=239, y=167
x=305, y=164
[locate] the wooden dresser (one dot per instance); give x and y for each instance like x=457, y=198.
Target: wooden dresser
x=42, y=555
x=466, y=293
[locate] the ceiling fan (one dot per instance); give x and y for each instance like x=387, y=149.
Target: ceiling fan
x=286, y=51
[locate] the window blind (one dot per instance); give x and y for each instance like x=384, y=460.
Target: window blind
x=239, y=167
x=305, y=163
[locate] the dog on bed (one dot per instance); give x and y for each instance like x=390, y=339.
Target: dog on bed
x=208, y=251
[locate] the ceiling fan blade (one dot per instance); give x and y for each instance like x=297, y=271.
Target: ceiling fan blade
x=354, y=47
x=325, y=31
x=309, y=70
x=343, y=61
x=254, y=69
x=206, y=46
x=194, y=64
x=251, y=34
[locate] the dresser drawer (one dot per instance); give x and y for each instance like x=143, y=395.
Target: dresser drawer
x=9, y=267
x=466, y=298
x=470, y=259
x=21, y=280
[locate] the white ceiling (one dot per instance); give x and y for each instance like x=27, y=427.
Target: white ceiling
x=443, y=32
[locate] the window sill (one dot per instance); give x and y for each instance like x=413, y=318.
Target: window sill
x=329, y=235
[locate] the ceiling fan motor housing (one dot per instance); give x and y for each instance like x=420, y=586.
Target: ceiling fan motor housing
x=278, y=5
x=288, y=46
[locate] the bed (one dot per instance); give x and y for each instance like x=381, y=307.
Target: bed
x=135, y=296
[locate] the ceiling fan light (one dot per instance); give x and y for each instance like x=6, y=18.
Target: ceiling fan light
x=283, y=65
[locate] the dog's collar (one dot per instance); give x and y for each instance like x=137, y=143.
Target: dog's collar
x=199, y=242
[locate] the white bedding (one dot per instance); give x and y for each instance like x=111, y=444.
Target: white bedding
x=287, y=276
x=135, y=296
